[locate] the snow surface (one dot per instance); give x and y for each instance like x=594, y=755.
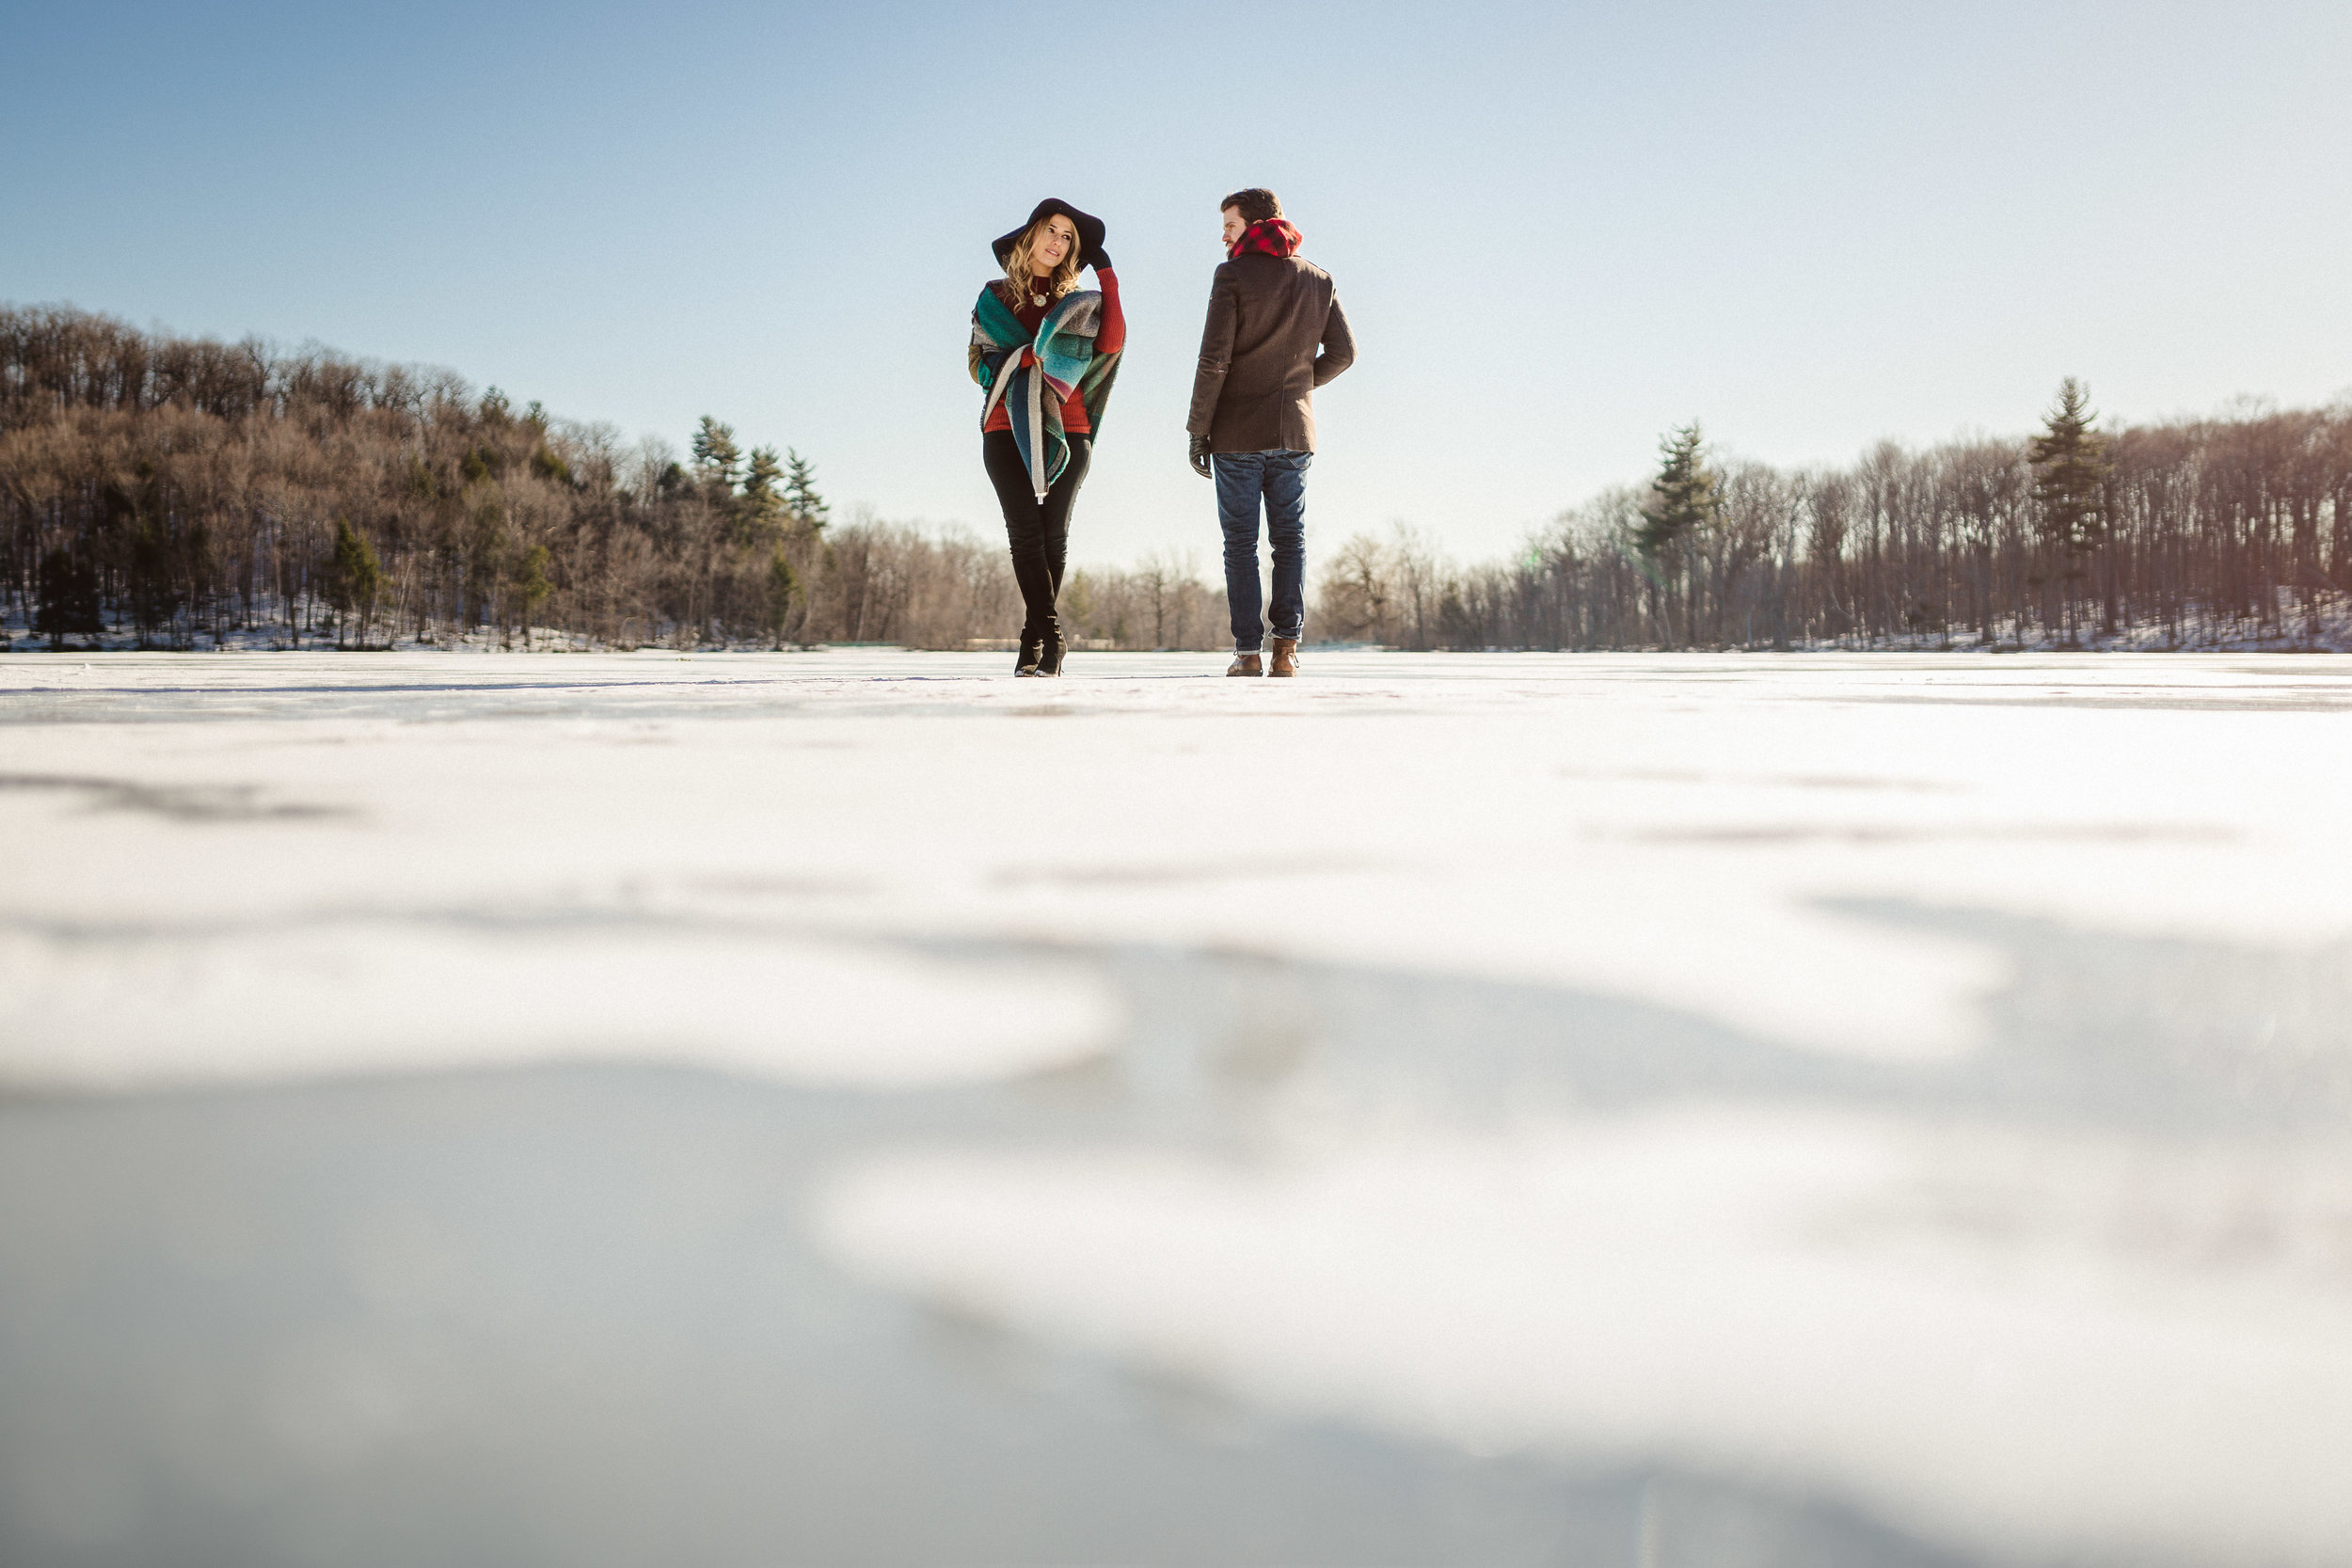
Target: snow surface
x=1987, y=1161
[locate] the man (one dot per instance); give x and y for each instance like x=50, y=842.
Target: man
x=1253, y=414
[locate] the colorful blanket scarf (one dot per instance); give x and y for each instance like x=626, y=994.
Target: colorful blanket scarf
x=1032, y=373
x=1274, y=236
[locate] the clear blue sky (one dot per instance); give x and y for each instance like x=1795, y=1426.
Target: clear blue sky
x=1558, y=228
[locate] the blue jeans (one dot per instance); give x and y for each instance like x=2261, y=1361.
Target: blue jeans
x=1280, y=477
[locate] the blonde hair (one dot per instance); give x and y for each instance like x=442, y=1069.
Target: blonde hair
x=1020, y=280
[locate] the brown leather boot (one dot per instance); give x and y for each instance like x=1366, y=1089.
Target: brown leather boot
x=1245, y=664
x=1285, y=656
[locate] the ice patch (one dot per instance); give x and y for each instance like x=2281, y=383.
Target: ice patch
x=369, y=997
x=1667, y=831
x=1790, y=1296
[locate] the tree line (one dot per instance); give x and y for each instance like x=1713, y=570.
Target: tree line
x=2232, y=531
x=185, y=490
x=179, y=492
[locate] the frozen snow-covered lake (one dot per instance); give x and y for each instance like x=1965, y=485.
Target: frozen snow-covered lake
x=858, y=1107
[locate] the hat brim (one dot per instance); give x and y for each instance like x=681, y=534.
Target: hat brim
x=1090, y=229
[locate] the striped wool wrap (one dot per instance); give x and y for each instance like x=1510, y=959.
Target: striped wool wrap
x=1031, y=374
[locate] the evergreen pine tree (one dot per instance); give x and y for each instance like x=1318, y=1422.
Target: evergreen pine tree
x=715, y=452
x=1685, y=499
x=762, y=506
x=808, y=507
x=69, y=599
x=2069, y=477
x=154, y=587
x=532, y=587
x=483, y=564
x=782, y=587
x=354, y=580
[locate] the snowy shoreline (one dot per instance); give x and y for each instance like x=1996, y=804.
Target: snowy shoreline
x=2327, y=631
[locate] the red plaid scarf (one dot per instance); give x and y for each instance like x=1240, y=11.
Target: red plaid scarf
x=1274, y=236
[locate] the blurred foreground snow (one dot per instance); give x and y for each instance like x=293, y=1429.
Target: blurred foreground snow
x=1444, y=1109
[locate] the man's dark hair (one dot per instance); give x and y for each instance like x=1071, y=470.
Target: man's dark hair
x=1256, y=204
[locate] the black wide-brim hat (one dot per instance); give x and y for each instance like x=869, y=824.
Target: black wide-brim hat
x=1090, y=230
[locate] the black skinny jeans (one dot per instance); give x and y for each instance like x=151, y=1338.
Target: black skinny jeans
x=1039, y=534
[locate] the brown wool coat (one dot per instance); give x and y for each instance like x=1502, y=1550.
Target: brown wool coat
x=1254, y=390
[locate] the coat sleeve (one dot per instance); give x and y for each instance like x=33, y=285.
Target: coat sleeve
x=1339, y=343
x=1217, y=351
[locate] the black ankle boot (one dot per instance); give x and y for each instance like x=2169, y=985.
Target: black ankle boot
x=1031, y=646
x=1050, y=651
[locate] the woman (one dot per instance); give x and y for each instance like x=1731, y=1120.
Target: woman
x=1045, y=351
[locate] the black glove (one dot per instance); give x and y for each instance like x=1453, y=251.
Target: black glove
x=1099, y=259
x=1199, y=455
